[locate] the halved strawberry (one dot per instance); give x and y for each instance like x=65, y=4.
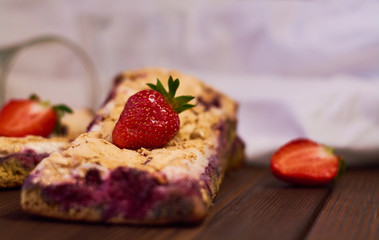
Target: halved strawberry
x=22, y=117
x=305, y=162
x=150, y=117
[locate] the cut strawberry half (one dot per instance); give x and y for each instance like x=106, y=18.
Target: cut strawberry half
x=22, y=117
x=305, y=162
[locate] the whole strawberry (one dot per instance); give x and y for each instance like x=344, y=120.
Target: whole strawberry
x=150, y=117
x=305, y=162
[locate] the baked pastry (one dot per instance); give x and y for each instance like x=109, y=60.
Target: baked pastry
x=19, y=155
x=76, y=123
x=94, y=180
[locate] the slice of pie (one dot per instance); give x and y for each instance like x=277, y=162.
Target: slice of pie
x=94, y=180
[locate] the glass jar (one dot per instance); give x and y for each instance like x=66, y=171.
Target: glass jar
x=87, y=92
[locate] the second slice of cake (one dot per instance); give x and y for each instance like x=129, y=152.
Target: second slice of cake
x=94, y=180
x=19, y=155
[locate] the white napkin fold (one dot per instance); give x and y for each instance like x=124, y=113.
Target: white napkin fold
x=341, y=112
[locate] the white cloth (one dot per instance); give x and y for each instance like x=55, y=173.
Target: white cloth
x=341, y=112
x=298, y=68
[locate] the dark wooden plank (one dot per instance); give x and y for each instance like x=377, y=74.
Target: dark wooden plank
x=251, y=204
x=15, y=224
x=352, y=211
x=268, y=209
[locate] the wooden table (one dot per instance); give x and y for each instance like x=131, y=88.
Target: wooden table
x=251, y=204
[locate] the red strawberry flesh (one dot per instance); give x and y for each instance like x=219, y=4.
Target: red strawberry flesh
x=20, y=118
x=304, y=162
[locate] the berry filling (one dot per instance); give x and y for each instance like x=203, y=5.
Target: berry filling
x=209, y=173
x=213, y=102
x=96, y=120
x=126, y=192
x=28, y=158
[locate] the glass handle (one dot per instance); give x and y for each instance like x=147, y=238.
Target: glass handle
x=7, y=55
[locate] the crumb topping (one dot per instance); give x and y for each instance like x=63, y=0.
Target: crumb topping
x=9, y=145
x=184, y=156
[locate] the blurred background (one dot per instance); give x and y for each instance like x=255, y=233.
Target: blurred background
x=297, y=68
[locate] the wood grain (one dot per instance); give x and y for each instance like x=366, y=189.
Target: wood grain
x=251, y=204
x=352, y=210
x=266, y=210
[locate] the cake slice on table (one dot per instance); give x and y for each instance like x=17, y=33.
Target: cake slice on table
x=118, y=173
x=19, y=156
x=26, y=136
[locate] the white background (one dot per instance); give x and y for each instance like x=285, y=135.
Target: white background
x=297, y=68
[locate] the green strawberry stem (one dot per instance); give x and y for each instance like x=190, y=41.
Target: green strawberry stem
x=341, y=163
x=180, y=103
x=60, y=110
x=341, y=167
x=34, y=97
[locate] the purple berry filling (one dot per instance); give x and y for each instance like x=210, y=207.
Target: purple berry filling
x=112, y=94
x=132, y=193
x=110, y=97
x=117, y=81
x=97, y=119
x=28, y=158
x=206, y=177
x=214, y=102
x=225, y=149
